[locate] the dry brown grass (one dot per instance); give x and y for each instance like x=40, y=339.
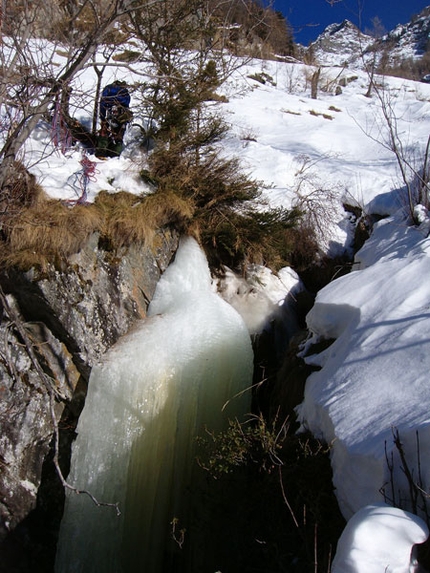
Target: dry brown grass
x=20, y=190
x=209, y=199
x=130, y=219
x=47, y=231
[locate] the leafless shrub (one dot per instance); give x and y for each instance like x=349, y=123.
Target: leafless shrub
x=319, y=204
x=414, y=171
x=415, y=498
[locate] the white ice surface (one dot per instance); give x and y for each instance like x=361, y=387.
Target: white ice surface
x=183, y=368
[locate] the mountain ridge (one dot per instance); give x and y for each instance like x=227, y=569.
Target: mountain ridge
x=346, y=45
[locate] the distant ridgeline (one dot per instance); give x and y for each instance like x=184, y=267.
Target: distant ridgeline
x=403, y=52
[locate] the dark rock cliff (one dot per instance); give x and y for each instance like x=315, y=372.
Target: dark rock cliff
x=54, y=326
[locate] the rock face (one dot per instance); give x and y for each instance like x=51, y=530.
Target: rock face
x=409, y=40
x=70, y=318
x=341, y=45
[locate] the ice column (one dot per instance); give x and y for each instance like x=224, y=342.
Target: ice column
x=152, y=394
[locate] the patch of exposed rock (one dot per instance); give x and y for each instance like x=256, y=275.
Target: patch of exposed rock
x=71, y=317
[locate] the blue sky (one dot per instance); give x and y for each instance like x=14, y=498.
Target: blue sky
x=309, y=17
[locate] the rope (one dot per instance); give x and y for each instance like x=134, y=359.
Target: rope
x=62, y=138
x=87, y=174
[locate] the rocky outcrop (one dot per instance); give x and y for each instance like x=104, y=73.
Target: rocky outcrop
x=341, y=45
x=70, y=318
x=409, y=40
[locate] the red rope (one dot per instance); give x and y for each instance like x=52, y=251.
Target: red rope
x=89, y=168
x=89, y=173
x=86, y=174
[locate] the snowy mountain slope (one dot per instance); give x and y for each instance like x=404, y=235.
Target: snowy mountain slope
x=409, y=40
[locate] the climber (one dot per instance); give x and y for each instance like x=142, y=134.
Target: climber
x=114, y=117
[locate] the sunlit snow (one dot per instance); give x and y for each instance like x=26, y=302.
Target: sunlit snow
x=374, y=377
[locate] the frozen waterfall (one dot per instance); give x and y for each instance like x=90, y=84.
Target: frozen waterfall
x=154, y=391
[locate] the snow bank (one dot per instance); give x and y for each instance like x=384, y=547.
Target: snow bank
x=374, y=377
x=379, y=539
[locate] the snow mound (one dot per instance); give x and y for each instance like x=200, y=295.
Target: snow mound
x=379, y=539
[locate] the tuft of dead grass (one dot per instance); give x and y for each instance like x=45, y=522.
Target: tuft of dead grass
x=47, y=230
x=129, y=219
x=20, y=190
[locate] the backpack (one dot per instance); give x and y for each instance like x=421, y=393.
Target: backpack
x=114, y=94
x=116, y=119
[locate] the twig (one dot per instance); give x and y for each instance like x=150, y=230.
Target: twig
x=179, y=539
x=424, y=495
x=316, y=548
x=284, y=497
x=390, y=466
x=64, y=483
x=406, y=470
